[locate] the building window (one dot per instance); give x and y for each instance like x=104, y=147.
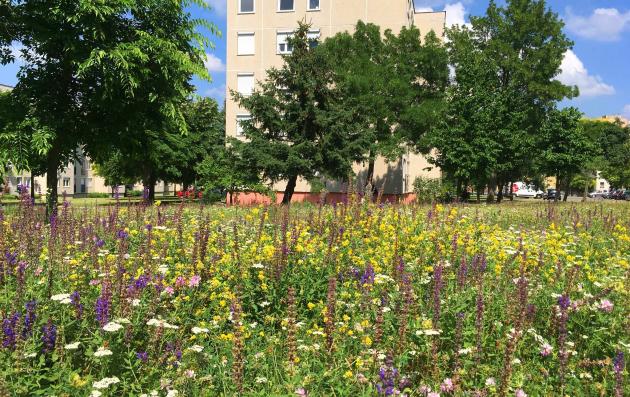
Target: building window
x=601, y=185
x=283, y=43
x=245, y=83
x=246, y=6
x=66, y=182
x=286, y=5
x=312, y=5
x=240, y=120
x=313, y=38
x=246, y=44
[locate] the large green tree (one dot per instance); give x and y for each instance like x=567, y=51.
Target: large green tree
x=505, y=84
x=102, y=74
x=565, y=147
x=168, y=155
x=299, y=125
x=613, y=143
x=394, y=83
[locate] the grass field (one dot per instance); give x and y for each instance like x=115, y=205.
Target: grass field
x=352, y=300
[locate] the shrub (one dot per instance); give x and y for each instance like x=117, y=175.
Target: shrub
x=432, y=190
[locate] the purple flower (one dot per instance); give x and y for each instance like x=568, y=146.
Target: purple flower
x=103, y=306
x=49, y=336
x=122, y=234
x=618, y=362
x=75, y=299
x=29, y=319
x=142, y=356
x=8, y=329
x=564, y=302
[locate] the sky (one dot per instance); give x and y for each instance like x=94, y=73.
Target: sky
x=598, y=63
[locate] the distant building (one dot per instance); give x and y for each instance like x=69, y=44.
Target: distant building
x=257, y=33
x=613, y=118
x=4, y=87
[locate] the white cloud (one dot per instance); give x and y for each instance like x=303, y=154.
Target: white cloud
x=217, y=93
x=574, y=73
x=218, y=6
x=604, y=24
x=455, y=14
x=214, y=63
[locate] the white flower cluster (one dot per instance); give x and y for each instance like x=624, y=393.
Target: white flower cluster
x=105, y=382
x=154, y=322
x=64, y=299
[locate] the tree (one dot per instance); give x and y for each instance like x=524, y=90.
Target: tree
x=565, y=146
x=100, y=74
x=393, y=83
x=23, y=140
x=299, y=126
x=505, y=68
x=168, y=155
x=227, y=170
x=613, y=143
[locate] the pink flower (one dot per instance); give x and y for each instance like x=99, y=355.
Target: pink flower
x=301, y=392
x=194, y=281
x=95, y=282
x=520, y=393
x=180, y=282
x=447, y=385
x=169, y=290
x=190, y=373
x=546, y=349
x=433, y=394
x=39, y=271
x=606, y=306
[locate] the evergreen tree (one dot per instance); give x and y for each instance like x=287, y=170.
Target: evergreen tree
x=299, y=125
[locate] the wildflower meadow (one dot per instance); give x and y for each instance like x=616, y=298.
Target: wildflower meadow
x=355, y=299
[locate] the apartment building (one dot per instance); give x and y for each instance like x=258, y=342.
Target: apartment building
x=257, y=33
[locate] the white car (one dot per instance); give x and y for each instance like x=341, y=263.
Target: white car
x=529, y=193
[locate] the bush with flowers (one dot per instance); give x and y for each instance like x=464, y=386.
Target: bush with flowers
x=355, y=299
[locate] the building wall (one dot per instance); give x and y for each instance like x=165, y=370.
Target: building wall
x=334, y=16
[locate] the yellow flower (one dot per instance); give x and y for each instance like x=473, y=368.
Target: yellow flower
x=348, y=374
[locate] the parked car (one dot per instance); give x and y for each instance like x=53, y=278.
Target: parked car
x=552, y=194
x=626, y=195
x=597, y=194
x=618, y=194
x=529, y=193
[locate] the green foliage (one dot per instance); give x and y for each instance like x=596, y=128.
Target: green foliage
x=432, y=190
x=394, y=84
x=613, y=150
x=100, y=74
x=300, y=126
x=504, y=86
x=168, y=155
x=565, y=145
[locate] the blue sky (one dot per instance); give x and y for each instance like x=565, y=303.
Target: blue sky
x=598, y=63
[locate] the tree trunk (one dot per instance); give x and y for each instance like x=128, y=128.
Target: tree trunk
x=585, y=193
x=500, y=194
x=566, y=190
x=478, y=195
x=33, y=187
x=492, y=184
x=458, y=189
x=511, y=191
x=288, y=191
x=52, y=166
x=555, y=199
x=369, y=178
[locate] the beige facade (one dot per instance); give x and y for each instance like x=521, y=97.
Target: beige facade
x=256, y=40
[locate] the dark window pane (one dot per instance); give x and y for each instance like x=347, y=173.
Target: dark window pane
x=286, y=5
x=313, y=4
x=247, y=6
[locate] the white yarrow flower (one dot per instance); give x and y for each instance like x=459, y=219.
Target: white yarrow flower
x=102, y=352
x=105, y=382
x=72, y=346
x=196, y=348
x=198, y=330
x=64, y=299
x=112, y=327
